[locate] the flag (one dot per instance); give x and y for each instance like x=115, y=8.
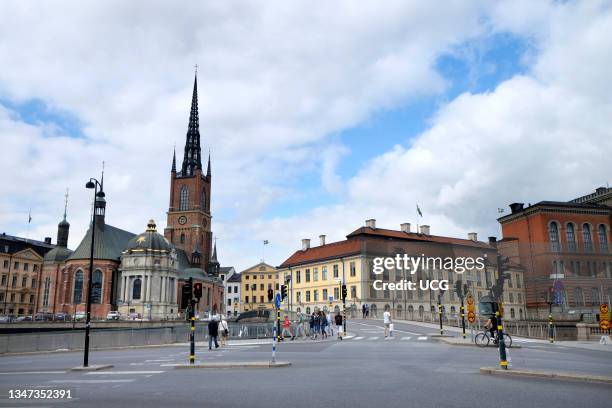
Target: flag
x=419, y=211
x=266, y=242
x=30, y=216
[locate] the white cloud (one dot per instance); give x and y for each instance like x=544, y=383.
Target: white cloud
x=275, y=82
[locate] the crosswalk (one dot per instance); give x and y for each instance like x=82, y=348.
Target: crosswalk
x=391, y=338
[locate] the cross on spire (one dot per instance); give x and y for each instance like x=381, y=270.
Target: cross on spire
x=65, y=203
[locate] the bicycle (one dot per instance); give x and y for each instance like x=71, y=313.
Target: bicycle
x=484, y=338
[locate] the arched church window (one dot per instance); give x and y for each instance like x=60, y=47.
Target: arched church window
x=136, y=289
x=184, y=202
x=77, y=294
x=203, y=200
x=96, y=287
x=182, y=238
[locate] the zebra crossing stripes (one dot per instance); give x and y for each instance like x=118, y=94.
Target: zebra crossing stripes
x=390, y=338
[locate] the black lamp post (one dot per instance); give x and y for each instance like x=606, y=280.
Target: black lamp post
x=92, y=183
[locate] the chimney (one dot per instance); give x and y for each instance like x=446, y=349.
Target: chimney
x=371, y=223
x=516, y=207
x=405, y=227
x=47, y=240
x=425, y=229
x=472, y=236
x=493, y=241
x=321, y=240
x=305, y=244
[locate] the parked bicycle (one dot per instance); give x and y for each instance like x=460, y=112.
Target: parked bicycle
x=483, y=339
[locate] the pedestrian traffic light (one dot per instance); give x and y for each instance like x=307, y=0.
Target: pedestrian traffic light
x=343, y=291
x=459, y=288
x=283, y=292
x=270, y=295
x=188, y=289
x=197, y=291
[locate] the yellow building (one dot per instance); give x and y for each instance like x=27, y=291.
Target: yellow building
x=256, y=281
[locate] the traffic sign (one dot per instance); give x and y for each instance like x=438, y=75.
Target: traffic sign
x=604, y=324
x=277, y=301
x=604, y=316
x=603, y=309
x=471, y=317
x=470, y=300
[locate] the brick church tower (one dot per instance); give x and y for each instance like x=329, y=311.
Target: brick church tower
x=189, y=218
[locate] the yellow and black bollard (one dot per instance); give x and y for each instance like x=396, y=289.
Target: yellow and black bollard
x=278, y=324
x=440, y=316
x=463, y=318
x=503, y=362
x=192, y=341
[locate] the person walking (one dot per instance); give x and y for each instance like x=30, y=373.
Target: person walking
x=311, y=324
x=299, y=326
x=338, y=321
x=387, y=321
x=224, y=329
x=287, y=328
x=323, y=325
x=330, y=324
x=213, y=332
x=317, y=324
x=367, y=310
x=363, y=310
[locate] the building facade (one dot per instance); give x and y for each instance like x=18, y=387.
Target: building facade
x=232, y=294
x=21, y=262
x=257, y=281
x=318, y=272
x=565, y=249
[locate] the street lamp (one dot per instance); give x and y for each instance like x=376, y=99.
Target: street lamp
x=92, y=183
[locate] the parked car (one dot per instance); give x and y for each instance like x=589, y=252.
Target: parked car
x=113, y=315
x=62, y=317
x=24, y=319
x=43, y=317
x=79, y=316
x=7, y=318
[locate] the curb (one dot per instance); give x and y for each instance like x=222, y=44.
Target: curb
x=236, y=364
x=547, y=374
x=470, y=344
x=92, y=367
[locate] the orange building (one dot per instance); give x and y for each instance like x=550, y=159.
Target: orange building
x=565, y=249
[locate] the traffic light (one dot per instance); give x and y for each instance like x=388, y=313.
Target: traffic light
x=270, y=295
x=197, y=291
x=343, y=291
x=459, y=288
x=188, y=289
x=283, y=292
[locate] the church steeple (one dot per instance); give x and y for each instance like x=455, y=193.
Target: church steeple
x=192, y=158
x=174, y=161
x=208, y=171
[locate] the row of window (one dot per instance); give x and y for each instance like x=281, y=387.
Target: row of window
x=15, y=279
x=324, y=274
x=325, y=295
x=184, y=199
x=252, y=287
x=570, y=237
x=22, y=298
x=586, y=268
x=247, y=277
x=96, y=287
x=16, y=265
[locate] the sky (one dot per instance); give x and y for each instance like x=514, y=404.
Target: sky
x=318, y=116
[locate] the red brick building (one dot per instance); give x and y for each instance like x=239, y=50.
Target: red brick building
x=564, y=246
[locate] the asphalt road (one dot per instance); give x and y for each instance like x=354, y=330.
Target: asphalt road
x=410, y=370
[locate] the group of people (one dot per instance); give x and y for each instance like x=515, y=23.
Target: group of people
x=217, y=329
x=321, y=325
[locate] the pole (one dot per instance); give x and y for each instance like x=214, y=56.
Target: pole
x=551, y=330
x=278, y=324
x=463, y=318
x=192, y=332
x=440, y=314
x=503, y=362
x=274, y=345
x=91, y=255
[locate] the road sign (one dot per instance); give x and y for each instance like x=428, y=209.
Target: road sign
x=603, y=309
x=604, y=324
x=604, y=316
x=471, y=317
x=470, y=300
x=277, y=301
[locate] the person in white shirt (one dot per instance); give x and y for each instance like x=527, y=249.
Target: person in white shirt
x=387, y=321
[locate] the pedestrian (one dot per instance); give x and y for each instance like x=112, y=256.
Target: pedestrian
x=286, y=327
x=367, y=310
x=387, y=321
x=317, y=324
x=311, y=324
x=338, y=321
x=323, y=325
x=224, y=329
x=330, y=324
x=299, y=326
x=363, y=310
x=213, y=332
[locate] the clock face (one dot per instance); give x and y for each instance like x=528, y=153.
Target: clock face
x=182, y=219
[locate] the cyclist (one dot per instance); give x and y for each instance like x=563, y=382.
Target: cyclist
x=491, y=325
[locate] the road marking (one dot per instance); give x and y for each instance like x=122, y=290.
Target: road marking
x=163, y=360
x=373, y=338
x=390, y=338
x=406, y=338
x=123, y=372
x=91, y=381
x=358, y=338
x=34, y=372
x=422, y=338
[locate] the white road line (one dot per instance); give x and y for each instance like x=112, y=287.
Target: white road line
x=390, y=338
x=373, y=338
x=123, y=372
x=406, y=338
x=358, y=338
x=92, y=381
x=34, y=372
x=422, y=338
x=159, y=361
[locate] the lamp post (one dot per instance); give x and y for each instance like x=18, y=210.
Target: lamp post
x=92, y=183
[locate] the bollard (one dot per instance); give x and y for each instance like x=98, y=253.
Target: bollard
x=273, y=346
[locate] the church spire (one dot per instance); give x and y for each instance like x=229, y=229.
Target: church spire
x=208, y=171
x=192, y=157
x=174, y=161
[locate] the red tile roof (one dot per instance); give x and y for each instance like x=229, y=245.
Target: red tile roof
x=411, y=236
x=328, y=251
